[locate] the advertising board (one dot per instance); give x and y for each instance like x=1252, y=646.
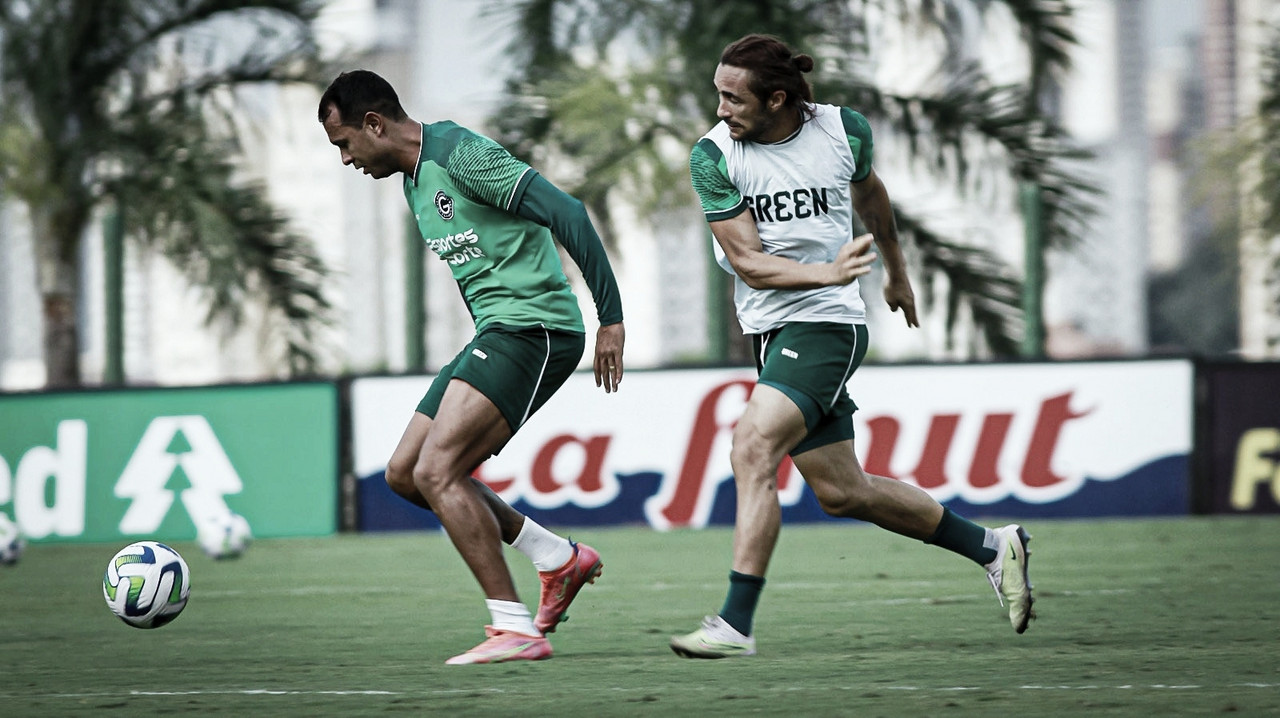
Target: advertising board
x=113, y=465
x=1013, y=440
x=1240, y=438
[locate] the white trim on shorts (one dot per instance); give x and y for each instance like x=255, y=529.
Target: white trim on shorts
x=546, y=359
x=848, y=372
x=765, y=338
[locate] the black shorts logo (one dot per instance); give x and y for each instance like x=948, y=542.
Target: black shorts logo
x=444, y=205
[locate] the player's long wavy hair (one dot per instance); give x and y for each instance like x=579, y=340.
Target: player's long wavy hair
x=773, y=67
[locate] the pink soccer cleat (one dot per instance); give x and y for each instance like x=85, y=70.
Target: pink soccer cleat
x=503, y=646
x=559, y=587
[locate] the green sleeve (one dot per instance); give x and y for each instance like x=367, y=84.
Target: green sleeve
x=710, y=176
x=549, y=206
x=858, y=130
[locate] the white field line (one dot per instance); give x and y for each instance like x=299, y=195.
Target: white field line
x=659, y=586
x=640, y=689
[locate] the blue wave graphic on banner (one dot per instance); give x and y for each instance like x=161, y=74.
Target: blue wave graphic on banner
x=1159, y=488
x=380, y=509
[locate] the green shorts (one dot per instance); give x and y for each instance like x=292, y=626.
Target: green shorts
x=811, y=362
x=516, y=368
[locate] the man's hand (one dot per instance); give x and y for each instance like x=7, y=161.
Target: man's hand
x=898, y=294
x=853, y=260
x=608, y=361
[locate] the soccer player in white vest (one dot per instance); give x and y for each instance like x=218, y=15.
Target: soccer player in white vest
x=779, y=179
x=491, y=217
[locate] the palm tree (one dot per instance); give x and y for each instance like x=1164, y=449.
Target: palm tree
x=967, y=130
x=1262, y=133
x=132, y=104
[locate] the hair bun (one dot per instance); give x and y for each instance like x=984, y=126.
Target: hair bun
x=803, y=63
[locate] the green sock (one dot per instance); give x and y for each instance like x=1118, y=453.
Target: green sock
x=956, y=533
x=740, y=605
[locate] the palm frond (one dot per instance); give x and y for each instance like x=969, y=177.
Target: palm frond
x=976, y=279
x=184, y=197
x=134, y=99
x=1047, y=34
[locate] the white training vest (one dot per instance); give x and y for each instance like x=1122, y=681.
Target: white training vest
x=798, y=191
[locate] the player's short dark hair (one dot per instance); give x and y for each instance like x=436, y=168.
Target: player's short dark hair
x=773, y=67
x=356, y=92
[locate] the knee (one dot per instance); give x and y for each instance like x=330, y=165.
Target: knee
x=399, y=477
x=846, y=495
x=752, y=468
x=843, y=502
x=742, y=455
x=751, y=453
x=428, y=479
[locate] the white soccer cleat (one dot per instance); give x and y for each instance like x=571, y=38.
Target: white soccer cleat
x=1008, y=574
x=714, y=639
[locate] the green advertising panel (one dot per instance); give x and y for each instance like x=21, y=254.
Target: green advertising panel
x=111, y=465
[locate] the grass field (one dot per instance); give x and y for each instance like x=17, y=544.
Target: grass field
x=1167, y=617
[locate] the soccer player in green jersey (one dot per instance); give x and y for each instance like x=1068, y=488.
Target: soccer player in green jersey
x=780, y=178
x=492, y=218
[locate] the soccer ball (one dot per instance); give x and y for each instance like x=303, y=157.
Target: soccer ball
x=11, y=541
x=224, y=537
x=146, y=584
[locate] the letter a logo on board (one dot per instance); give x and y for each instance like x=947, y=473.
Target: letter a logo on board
x=171, y=444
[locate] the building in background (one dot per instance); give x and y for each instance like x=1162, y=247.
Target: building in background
x=1093, y=302
x=1205, y=80
x=1132, y=97
x=21, y=355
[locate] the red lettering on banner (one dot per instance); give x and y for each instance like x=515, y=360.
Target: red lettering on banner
x=693, y=488
x=884, y=436
x=986, y=455
x=1054, y=413
x=693, y=470
x=588, y=479
x=931, y=472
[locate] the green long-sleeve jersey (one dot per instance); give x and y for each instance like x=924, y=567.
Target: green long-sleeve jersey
x=492, y=217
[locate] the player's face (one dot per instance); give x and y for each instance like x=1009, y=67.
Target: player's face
x=361, y=147
x=749, y=119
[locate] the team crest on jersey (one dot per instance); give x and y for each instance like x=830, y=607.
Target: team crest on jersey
x=444, y=205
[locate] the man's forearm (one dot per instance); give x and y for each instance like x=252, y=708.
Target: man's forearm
x=761, y=270
x=876, y=212
x=567, y=219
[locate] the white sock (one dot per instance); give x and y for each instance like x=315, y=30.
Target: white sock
x=545, y=549
x=511, y=616
x=992, y=541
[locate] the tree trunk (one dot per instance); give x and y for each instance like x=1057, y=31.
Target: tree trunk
x=57, y=245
